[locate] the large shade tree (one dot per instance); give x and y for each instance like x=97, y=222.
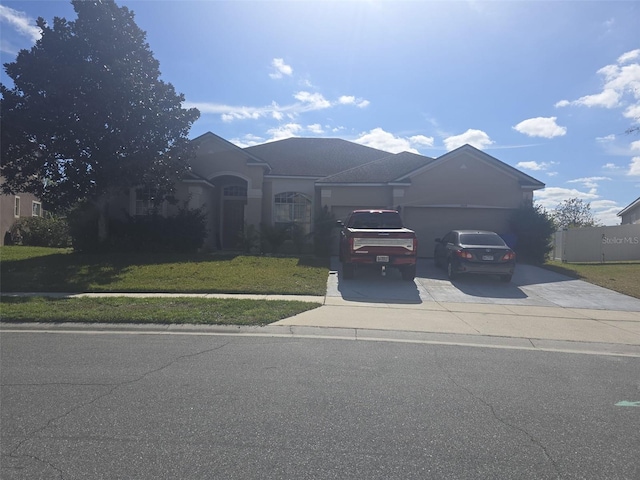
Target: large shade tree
x=88, y=116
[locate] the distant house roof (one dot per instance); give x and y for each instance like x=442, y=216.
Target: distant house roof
x=313, y=157
x=631, y=206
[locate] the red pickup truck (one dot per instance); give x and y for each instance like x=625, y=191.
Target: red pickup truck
x=377, y=237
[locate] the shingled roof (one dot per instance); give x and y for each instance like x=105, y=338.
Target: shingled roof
x=313, y=157
x=388, y=169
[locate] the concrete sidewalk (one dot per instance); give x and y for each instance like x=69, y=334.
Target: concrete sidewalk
x=538, y=310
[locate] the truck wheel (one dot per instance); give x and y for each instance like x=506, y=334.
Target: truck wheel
x=408, y=273
x=348, y=271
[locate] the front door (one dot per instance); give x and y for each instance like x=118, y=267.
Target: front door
x=232, y=223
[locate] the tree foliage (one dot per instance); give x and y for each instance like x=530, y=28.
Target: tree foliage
x=88, y=115
x=572, y=213
x=534, y=228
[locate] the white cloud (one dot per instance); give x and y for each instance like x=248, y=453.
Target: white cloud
x=610, y=166
x=545, y=127
x=281, y=69
x=589, y=182
x=635, y=145
x=551, y=197
x=421, y=140
x=21, y=22
x=476, y=138
x=629, y=56
x=315, y=128
x=608, y=138
x=634, y=167
x=535, y=166
x=621, y=86
x=382, y=140
x=351, y=100
x=312, y=101
x=306, y=102
x=285, y=131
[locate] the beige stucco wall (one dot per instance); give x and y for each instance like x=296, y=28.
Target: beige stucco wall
x=274, y=186
x=463, y=180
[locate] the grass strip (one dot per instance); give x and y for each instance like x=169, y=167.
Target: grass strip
x=622, y=277
x=162, y=310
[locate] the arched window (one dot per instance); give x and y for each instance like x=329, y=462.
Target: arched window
x=293, y=207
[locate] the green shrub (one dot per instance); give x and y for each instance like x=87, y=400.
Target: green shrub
x=46, y=231
x=183, y=232
x=83, y=227
x=324, y=223
x=533, y=228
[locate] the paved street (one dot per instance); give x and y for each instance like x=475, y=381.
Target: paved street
x=144, y=404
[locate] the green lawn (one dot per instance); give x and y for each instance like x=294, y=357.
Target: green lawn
x=623, y=277
x=30, y=269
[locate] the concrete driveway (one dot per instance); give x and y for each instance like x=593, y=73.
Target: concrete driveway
x=530, y=285
x=538, y=310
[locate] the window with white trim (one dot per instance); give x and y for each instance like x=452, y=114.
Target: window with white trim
x=146, y=202
x=36, y=209
x=293, y=207
x=16, y=207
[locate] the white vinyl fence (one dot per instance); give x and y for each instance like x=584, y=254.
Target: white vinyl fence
x=597, y=244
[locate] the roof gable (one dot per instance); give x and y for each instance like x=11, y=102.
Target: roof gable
x=524, y=179
x=628, y=208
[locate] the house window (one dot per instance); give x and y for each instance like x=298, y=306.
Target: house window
x=146, y=201
x=16, y=207
x=235, y=191
x=36, y=209
x=293, y=207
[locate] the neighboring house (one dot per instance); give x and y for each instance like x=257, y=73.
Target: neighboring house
x=290, y=180
x=12, y=207
x=631, y=213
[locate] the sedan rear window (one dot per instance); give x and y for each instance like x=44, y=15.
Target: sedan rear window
x=481, y=239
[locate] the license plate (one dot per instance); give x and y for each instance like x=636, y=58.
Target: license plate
x=487, y=257
x=382, y=259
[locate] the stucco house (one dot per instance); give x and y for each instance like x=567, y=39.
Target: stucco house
x=631, y=213
x=290, y=180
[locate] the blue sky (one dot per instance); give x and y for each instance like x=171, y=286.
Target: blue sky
x=547, y=87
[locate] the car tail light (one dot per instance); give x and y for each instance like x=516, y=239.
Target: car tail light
x=509, y=256
x=464, y=254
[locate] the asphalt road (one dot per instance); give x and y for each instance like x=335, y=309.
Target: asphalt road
x=131, y=405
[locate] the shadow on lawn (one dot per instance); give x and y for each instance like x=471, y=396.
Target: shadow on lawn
x=77, y=272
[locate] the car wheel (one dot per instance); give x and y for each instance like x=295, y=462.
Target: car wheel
x=450, y=271
x=348, y=271
x=408, y=273
x=506, y=278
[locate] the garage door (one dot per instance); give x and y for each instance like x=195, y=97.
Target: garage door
x=430, y=223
